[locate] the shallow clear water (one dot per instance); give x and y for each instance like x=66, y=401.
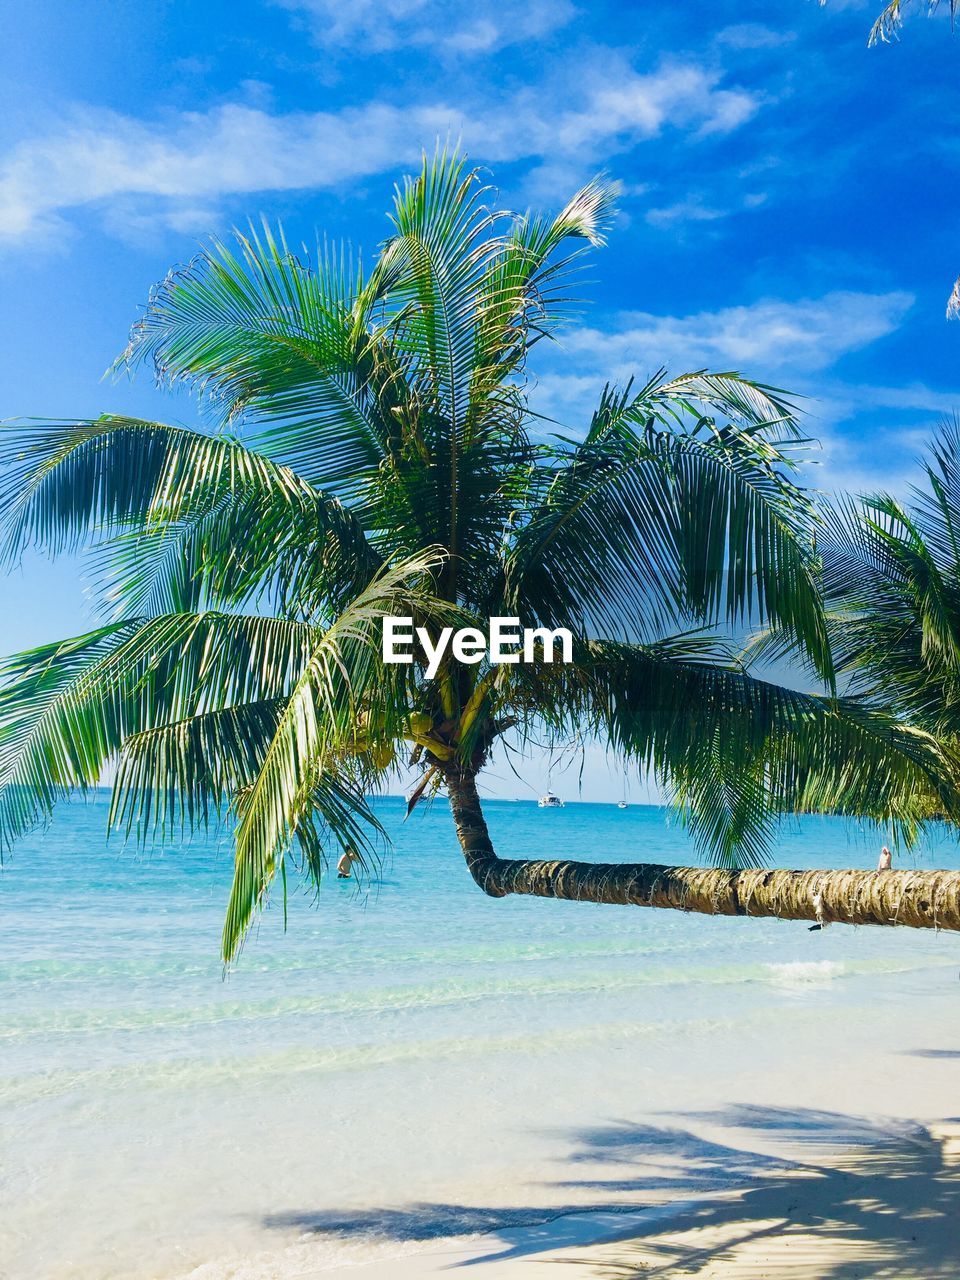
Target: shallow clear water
x=409, y=1060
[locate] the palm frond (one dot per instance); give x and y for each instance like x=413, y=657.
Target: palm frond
x=442, y=228
x=737, y=752
x=298, y=554
x=343, y=686
x=68, y=482
x=522, y=294
x=891, y=581
x=188, y=520
x=66, y=709
x=754, y=406
x=698, y=520
x=179, y=776
x=264, y=335
x=887, y=25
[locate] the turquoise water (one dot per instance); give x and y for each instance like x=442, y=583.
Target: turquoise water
x=405, y=1042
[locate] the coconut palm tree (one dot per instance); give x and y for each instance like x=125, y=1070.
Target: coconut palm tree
x=391, y=464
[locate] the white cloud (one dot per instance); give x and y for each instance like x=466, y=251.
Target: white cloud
x=685, y=95
x=879, y=460
x=913, y=395
x=696, y=207
x=379, y=25
x=891, y=427
x=753, y=35
x=105, y=156
x=691, y=209
x=773, y=340
x=768, y=336
x=192, y=160
x=869, y=434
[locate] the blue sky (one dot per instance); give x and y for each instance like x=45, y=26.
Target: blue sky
x=789, y=204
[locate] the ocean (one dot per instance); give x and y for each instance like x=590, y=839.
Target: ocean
x=409, y=1060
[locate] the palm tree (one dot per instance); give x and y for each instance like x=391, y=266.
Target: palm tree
x=891, y=584
x=392, y=464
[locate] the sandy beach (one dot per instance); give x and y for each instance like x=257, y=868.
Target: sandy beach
x=810, y=1193
x=836, y=1157
x=424, y=1081
x=755, y=1193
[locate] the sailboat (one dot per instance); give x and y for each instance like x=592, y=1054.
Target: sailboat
x=548, y=800
x=622, y=803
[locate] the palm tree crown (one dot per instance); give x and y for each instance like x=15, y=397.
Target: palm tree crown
x=390, y=463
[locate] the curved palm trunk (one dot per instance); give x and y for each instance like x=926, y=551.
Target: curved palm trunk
x=916, y=899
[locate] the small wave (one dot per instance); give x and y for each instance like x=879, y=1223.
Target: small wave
x=805, y=973
x=193, y=1072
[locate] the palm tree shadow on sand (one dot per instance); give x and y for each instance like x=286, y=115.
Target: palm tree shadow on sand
x=851, y=1199
x=781, y=1195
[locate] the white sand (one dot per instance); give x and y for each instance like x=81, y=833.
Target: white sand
x=800, y=1125
x=809, y=1194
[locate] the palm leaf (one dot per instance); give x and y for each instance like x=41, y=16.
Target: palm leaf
x=657, y=524
x=344, y=684
x=67, y=709
x=262, y=334
x=735, y=751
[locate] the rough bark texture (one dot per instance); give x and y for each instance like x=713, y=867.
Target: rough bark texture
x=914, y=899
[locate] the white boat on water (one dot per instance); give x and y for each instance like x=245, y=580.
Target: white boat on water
x=550, y=801
x=622, y=804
